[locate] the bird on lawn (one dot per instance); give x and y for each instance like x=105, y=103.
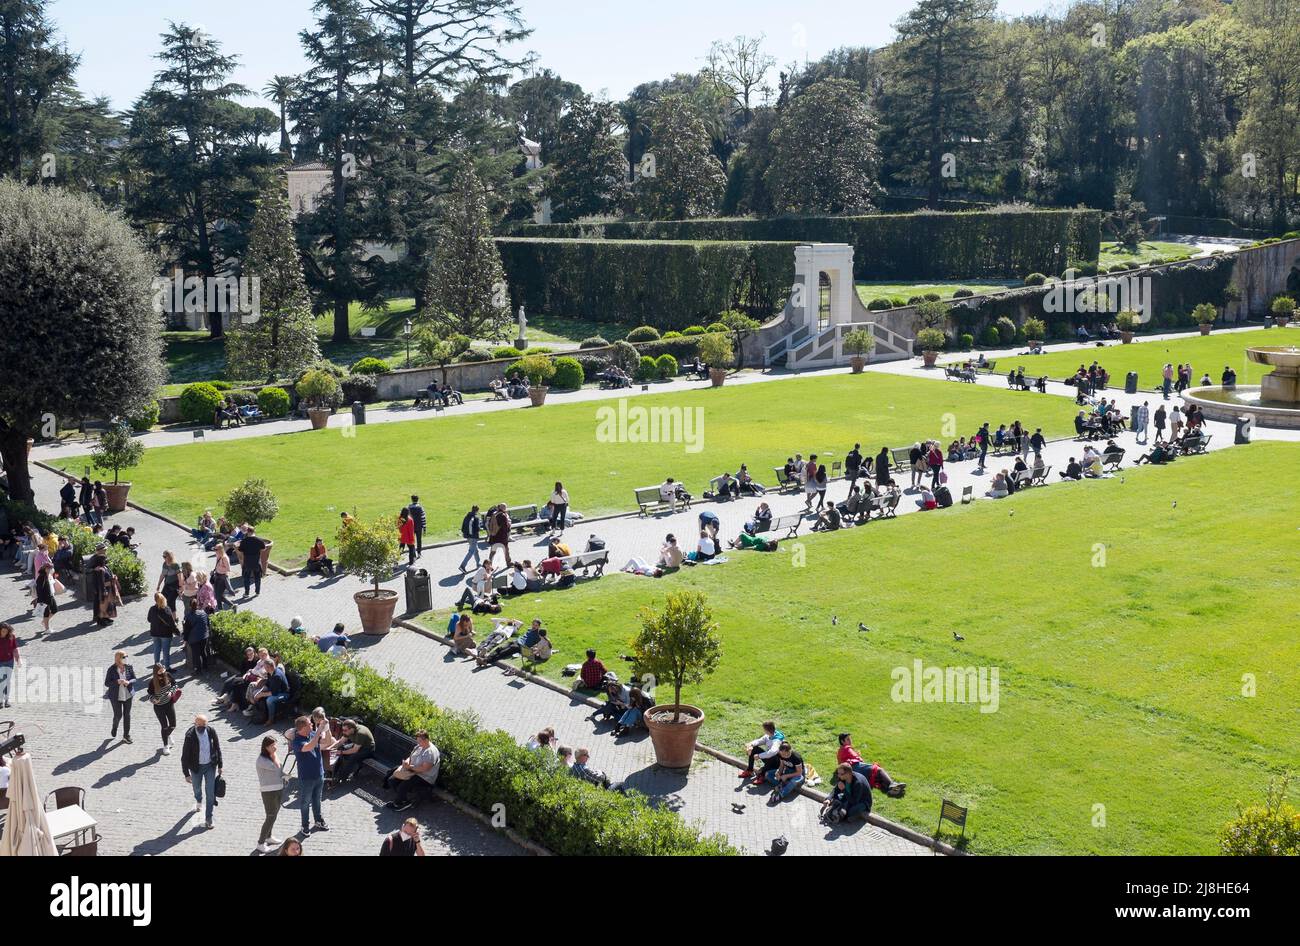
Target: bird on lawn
x=835, y=620
x=863, y=627
x=957, y=637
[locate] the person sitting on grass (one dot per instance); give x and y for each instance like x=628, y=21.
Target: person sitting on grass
x=478, y=586
x=999, y=488
x=1091, y=463
x=849, y=798
x=1072, y=471
x=788, y=775
x=1160, y=453
x=705, y=548
x=462, y=633
x=318, y=559
x=670, y=554
x=927, y=500
x=828, y=519
x=418, y=771
x=747, y=485
x=876, y=776
x=592, y=672
x=763, y=749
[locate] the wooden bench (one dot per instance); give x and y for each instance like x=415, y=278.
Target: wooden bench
x=1197, y=444
x=902, y=458
x=989, y=367
x=1111, y=459
x=787, y=524
x=587, y=561
x=522, y=518
x=784, y=482
x=953, y=373
x=649, y=501
x=87, y=427
x=1040, y=478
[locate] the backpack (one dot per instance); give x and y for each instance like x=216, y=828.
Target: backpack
x=943, y=496
x=595, y=544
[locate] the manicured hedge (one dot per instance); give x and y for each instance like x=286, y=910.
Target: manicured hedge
x=199, y=402
x=661, y=283
x=542, y=802
x=273, y=401
x=568, y=374
x=982, y=244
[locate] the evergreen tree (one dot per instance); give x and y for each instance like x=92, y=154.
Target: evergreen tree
x=687, y=179
x=466, y=291
x=825, y=159
x=589, y=172
x=282, y=341
x=279, y=90
x=33, y=66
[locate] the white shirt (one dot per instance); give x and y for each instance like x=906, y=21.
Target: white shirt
x=560, y=498
x=667, y=491
x=707, y=546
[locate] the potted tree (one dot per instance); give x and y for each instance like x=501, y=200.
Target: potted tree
x=1283, y=309
x=253, y=502
x=538, y=369
x=1126, y=321
x=859, y=343
x=1035, y=332
x=931, y=341
x=369, y=551
x=320, y=390
x=716, y=351
x=117, y=450
x=678, y=645
x=1205, y=314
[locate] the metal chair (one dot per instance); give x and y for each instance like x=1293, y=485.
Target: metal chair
x=951, y=811
x=88, y=849
x=66, y=797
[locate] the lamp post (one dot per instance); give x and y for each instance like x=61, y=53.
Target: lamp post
x=406, y=333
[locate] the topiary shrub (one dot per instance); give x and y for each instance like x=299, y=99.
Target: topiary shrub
x=459, y=344
x=963, y=293
x=337, y=372
x=933, y=297
x=967, y=341
x=1006, y=330
x=128, y=570
x=668, y=336
x=241, y=398
x=990, y=337
x=693, y=330
x=879, y=305
x=1035, y=279
x=594, y=342
x=625, y=356
x=1035, y=329
x=931, y=339
x=646, y=369
x=359, y=387
x=716, y=327
x=538, y=369
x=320, y=389
x=915, y=300
x=568, y=374
x=643, y=333
x=1085, y=269
x=146, y=419
x=505, y=351
x=474, y=355
x=1119, y=268
x=370, y=366
x=273, y=402
x=199, y=402
x=666, y=365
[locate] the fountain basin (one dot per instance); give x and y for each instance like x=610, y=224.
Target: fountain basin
x=1282, y=386
x=1245, y=400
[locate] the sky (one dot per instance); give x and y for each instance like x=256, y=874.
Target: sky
x=605, y=47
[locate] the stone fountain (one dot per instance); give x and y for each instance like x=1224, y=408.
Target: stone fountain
x=1275, y=402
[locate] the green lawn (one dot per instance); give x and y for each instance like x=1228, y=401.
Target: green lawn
x=1112, y=253
x=869, y=291
x=1205, y=352
x=1118, y=685
x=515, y=456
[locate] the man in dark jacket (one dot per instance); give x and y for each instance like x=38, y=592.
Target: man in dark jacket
x=196, y=630
x=201, y=764
x=850, y=798
x=469, y=528
x=250, y=560
x=417, y=514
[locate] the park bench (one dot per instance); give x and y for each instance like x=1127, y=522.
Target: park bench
x=522, y=518
x=391, y=749
x=1111, y=459
x=787, y=524
x=889, y=506
x=649, y=501
x=94, y=425
x=954, y=373
x=1023, y=478
x=1018, y=383
x=783, y=481
x=587, y=561
x=1010, y=446
x=902, y=458
x=989, y=367
x=1198, y=443
x=1040, y=478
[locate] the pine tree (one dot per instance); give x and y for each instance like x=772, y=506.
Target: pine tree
x=466, y=290
x=282, y=341
x=32, y=68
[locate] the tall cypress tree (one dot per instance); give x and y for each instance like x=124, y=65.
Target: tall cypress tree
x=283, y=339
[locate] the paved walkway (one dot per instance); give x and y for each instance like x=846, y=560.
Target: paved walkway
x=521, y=708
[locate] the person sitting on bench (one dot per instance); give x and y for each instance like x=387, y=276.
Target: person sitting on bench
x=227, y=415
x=1091, y=463
x=671, y=492
x=854, y=504
x=418, y=771
x=449, y=395
x=762, y=520
x=358, y=745
x=1082, y=334
x=318, y=559
x=498, y=388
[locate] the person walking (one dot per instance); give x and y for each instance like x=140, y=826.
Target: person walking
x=1167, y=373
x=270, y=780
x=853, y=465
x=86, y=497
x=311, y=770
x=1141, y=422
x=559, y=508
x=104, y=588
x=420, y=520
x=406, y=534
x=45, y=588
x=469, y=529
x=9, y=658
x=163, y=630
x=404, y=842
x=119, y=687
x=883, y=466
x=169, y=580
x=196, y=636
x=163, y=694
x=250, y=560
x=1159, y=423
x=201, y=765
x=934, y=460
x=499, y=534
x=98, y=503
x=221, y=578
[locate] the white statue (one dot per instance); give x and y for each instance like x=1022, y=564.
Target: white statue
x=523, y=322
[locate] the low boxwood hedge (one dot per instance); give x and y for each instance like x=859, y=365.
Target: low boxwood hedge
x=541, y=801
x=199, y=402
x=273, y=401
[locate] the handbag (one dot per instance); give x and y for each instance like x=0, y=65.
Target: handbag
x=176, y=694
x=219, y=790
x=58, y=588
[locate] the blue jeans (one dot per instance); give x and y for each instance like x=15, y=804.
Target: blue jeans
x=204, y=779
x=162, y=647
x=6, y=672
x=785, y=788
x=272, y=702
x=473, y=550
x=310, y=792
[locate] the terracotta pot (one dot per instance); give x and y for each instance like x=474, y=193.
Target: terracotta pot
x=929, y=357
x=1126, y=338
x=117, y=495
x=320, y=417
x=718, y=376
x=857, y=363
x=266, y=553
x=537, y=395
x=1282, y=321
x=1205, y=328
x=675, y=742
x=376, y=612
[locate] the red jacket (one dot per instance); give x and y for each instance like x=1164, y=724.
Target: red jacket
x=8, y=647
x=406, y=532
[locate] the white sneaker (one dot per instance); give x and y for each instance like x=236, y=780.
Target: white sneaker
x=273, y=843
x=167, y=749
x=265, y=848
x=198, y=806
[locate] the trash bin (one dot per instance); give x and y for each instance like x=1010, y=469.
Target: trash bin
x=87, y=572
x=1131, y=383
x=1133, y=416
x=358, y=412
x=1244, y=424
x=419, y=591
